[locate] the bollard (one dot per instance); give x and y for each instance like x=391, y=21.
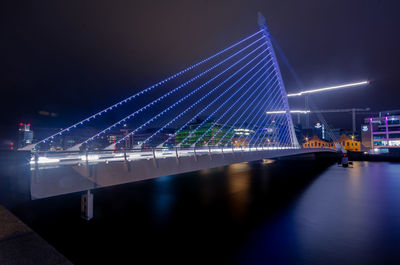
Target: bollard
x=195, y=155
x=154, y=157
x=177, y=156
x=87, y=205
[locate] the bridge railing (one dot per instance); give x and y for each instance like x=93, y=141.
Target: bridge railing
x=95, y=156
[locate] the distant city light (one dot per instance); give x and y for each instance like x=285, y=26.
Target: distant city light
x=328, y=88
x=292, y=111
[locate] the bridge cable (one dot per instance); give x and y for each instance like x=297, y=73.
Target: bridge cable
x=220, y=106
x=265, y=120
x=146, y=90
x=240, y=108
x=300, y=84
x=267, y=87
x=173, y=120
x=131, y=133
x=261, y=110
x=231, y=105
x=174, y=90
x=210, y=104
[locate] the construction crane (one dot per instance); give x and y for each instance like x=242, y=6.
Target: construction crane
x=353, y=112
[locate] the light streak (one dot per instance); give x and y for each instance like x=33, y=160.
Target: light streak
x=328, y=88
x=291, y=111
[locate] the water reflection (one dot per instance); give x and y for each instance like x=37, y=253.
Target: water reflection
x=284, y=212
x=238, y=183
x=163, y=198
x=346, y=216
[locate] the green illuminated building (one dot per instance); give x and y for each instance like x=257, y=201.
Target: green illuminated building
x=215, y=133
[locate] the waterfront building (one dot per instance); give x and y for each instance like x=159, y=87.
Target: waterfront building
x=348, y=143
x=25, y=134
x=315, y=142
x=381, y=134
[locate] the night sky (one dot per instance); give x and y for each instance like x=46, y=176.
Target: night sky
x=76, y=57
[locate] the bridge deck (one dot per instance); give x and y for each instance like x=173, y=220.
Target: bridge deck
x=54, y=175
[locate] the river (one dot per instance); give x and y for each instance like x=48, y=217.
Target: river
x=274, y=212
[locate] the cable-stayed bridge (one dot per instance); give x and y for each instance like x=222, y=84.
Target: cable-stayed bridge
x=213, y=113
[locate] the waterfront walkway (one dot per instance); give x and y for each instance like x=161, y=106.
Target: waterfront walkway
x=20, y=245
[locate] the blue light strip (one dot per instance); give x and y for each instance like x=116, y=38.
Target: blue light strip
x=212, y=102
x=233, y=104
x=220, y=106
x=175, y=90
x=239, y=109
x=194, y=91
x=148, y=89
x=263, y=115
x=245, y=111
x=260, y=110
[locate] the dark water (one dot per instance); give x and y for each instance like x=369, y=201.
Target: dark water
x=283, y=212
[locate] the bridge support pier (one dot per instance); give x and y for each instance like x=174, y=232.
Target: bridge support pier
x=87, y=205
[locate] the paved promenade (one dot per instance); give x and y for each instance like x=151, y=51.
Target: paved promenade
x=20, y=245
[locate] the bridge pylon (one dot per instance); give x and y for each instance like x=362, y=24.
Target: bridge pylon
x=263, y=26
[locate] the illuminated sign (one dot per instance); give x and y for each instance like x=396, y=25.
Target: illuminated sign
x=365, y=128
